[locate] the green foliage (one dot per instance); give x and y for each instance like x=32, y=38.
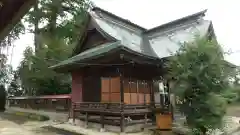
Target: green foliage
x=231, y=95
x=14, y=89
x=58, y=18
x=201, y=77
x=38, y=117
x=35, y=75
x=13, y=35
x=61, y=23
x=5, y=70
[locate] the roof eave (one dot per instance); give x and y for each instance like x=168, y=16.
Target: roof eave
x=64, y=65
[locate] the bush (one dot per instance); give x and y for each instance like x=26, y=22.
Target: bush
x=231, y=95
x=38, y=117
x=201, y=79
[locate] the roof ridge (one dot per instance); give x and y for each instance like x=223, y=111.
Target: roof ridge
x=178, y=21
x=95, y=8
x=165, y=25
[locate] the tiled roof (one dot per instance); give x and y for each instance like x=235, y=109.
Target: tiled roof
x=90, y=53
x=159, y=42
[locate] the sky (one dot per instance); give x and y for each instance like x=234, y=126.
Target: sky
x=151, y=13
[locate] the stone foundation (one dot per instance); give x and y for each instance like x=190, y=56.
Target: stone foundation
x=128, y=129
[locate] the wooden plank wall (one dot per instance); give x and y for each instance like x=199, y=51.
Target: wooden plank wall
x=110, y=89
x=135, y=91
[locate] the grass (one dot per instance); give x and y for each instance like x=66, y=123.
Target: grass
x=32, y=116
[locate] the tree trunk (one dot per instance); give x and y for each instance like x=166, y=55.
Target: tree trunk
x=36, y=28
x=203, y=130
x=2, y=98
x=56, y=6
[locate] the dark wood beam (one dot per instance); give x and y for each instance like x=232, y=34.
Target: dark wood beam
x=122, y=124
x=11, y=12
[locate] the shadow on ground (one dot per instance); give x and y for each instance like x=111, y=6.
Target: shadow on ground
x=46, y=130
x=16, y=119
x=59, y=131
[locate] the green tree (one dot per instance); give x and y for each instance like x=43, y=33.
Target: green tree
x=57, y=25
x=61, y=18
x=5, y=70
x=201, y=77
x=25, y=73
x=35, y=75
x=14, y=89
x=12, y=36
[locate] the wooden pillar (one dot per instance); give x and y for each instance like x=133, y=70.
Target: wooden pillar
x=152, y=101
x=77, y=90
x=122, y=100
x=73, y=112
x=169, y=99
x=130, y=89
x=77, y=82
x=102, y=122
x=137, y=91
x=69, y=108
x=144, y=92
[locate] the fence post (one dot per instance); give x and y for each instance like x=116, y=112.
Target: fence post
x=73, y=112
x=69, y=108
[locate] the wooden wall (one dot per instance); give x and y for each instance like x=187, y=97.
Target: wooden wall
x=92, y=89
x=77, y=82
x=110, y=89
x=135, y=91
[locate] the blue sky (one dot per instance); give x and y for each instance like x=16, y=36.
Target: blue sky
x=151, y=13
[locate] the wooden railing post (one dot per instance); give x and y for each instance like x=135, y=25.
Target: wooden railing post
x=69, y=108
x=86, y=120
x=145, y=120
x=122, y=124
x=102, y=122
x=73, y=112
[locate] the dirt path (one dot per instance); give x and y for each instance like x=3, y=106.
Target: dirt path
x=234, y=110
x=14, y=125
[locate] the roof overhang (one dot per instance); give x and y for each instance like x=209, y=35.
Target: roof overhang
x=11, y=11
x=108, y=51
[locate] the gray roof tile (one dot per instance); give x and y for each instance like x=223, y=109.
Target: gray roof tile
x=159, y=42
